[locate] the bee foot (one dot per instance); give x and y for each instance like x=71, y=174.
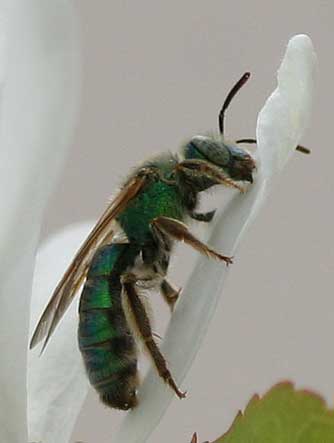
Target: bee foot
x=228, y=260
x=181, y=394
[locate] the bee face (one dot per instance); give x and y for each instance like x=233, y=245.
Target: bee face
x=241, y=165
x=233, y=160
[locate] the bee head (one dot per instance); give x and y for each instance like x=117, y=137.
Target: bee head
x=234, y=161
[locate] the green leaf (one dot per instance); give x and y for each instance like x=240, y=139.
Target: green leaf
x=283, y=415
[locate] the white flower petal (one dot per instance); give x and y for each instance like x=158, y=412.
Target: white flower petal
x=3, y=39
x=280, y=126
x=290, y=104
x=57, y=383
x=38, y=108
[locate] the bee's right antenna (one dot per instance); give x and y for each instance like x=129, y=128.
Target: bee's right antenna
x=229, y=98
x=299, y=148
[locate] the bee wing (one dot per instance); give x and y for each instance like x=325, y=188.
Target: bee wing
x=77, y=271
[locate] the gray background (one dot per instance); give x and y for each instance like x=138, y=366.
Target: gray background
x=156, y=73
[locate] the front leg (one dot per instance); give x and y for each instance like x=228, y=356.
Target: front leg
x=145, y=330
x=179, y=231
x=169, y=293
x=203, y=174
x=205, y=217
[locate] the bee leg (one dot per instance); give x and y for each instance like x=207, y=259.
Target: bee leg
x=179, y=231
x=194, y=439
x=199, y=170
x=203, y=216
x=169, y=293
x=145, y=330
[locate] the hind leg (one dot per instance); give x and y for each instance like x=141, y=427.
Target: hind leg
x=146, y=333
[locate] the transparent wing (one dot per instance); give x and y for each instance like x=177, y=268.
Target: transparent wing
x=77, y=271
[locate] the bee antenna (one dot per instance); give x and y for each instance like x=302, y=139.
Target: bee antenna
x=229, y=98
x=299, y=148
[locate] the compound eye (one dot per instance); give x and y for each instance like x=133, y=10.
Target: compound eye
x=214, y=151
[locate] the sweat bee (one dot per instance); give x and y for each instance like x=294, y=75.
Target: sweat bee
x=151, y=210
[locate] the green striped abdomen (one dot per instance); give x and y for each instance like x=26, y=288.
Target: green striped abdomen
x=105, y=341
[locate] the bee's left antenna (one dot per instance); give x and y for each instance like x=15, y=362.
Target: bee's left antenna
x=229, y=98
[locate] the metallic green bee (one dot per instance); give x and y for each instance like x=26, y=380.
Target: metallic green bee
x=150, y=209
